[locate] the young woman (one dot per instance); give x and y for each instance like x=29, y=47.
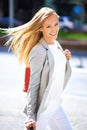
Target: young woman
x=35, y=43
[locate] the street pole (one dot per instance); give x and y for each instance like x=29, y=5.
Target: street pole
x=11, y=12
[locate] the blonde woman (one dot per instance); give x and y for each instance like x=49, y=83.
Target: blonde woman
x=35, y=44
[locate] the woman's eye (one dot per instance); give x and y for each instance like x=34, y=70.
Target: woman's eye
x=56, y=24
x=48, y=26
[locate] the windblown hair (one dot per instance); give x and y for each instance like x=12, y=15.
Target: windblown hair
x=25, y=37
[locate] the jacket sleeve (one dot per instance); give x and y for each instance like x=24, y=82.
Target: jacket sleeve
x=68, y=71
x=37, y=58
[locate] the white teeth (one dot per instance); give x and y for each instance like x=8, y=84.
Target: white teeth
x=53, y=34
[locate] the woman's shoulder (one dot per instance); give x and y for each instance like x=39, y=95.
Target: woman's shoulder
x=38, y=50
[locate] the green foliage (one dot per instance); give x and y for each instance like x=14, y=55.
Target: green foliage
x=72, y=35
x=3, y=32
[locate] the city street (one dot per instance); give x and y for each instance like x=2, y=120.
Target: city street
x=13, y=99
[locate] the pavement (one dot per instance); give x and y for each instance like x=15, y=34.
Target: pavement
x=13, y=99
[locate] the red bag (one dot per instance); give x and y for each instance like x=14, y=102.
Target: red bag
x=26, y=79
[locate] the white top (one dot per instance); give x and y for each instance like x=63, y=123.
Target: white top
x=55, y=86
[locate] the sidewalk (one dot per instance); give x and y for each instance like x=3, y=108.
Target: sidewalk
x=12, y=99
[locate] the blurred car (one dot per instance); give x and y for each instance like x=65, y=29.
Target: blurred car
x=66, y=23
x=5, y=21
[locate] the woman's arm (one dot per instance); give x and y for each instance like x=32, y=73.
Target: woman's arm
x=37, y=58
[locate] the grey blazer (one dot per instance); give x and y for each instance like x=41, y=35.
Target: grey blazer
x=41, y=64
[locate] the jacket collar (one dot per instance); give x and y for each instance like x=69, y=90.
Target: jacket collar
x=45, y=45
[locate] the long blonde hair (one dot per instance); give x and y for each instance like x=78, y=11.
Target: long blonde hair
x=25, y=37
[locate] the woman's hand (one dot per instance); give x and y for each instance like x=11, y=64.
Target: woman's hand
x=67, y=54
x=29, y=125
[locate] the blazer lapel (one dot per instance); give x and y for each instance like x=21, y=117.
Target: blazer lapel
x=49, y=56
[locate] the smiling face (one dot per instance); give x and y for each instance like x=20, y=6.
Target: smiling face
x=50, y=29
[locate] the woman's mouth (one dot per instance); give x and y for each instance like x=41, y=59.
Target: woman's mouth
x=53, y=34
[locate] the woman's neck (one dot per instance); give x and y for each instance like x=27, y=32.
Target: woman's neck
x=49, y=41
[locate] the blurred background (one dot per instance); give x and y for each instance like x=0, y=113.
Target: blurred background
x=72, y=35
x=22, y=11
